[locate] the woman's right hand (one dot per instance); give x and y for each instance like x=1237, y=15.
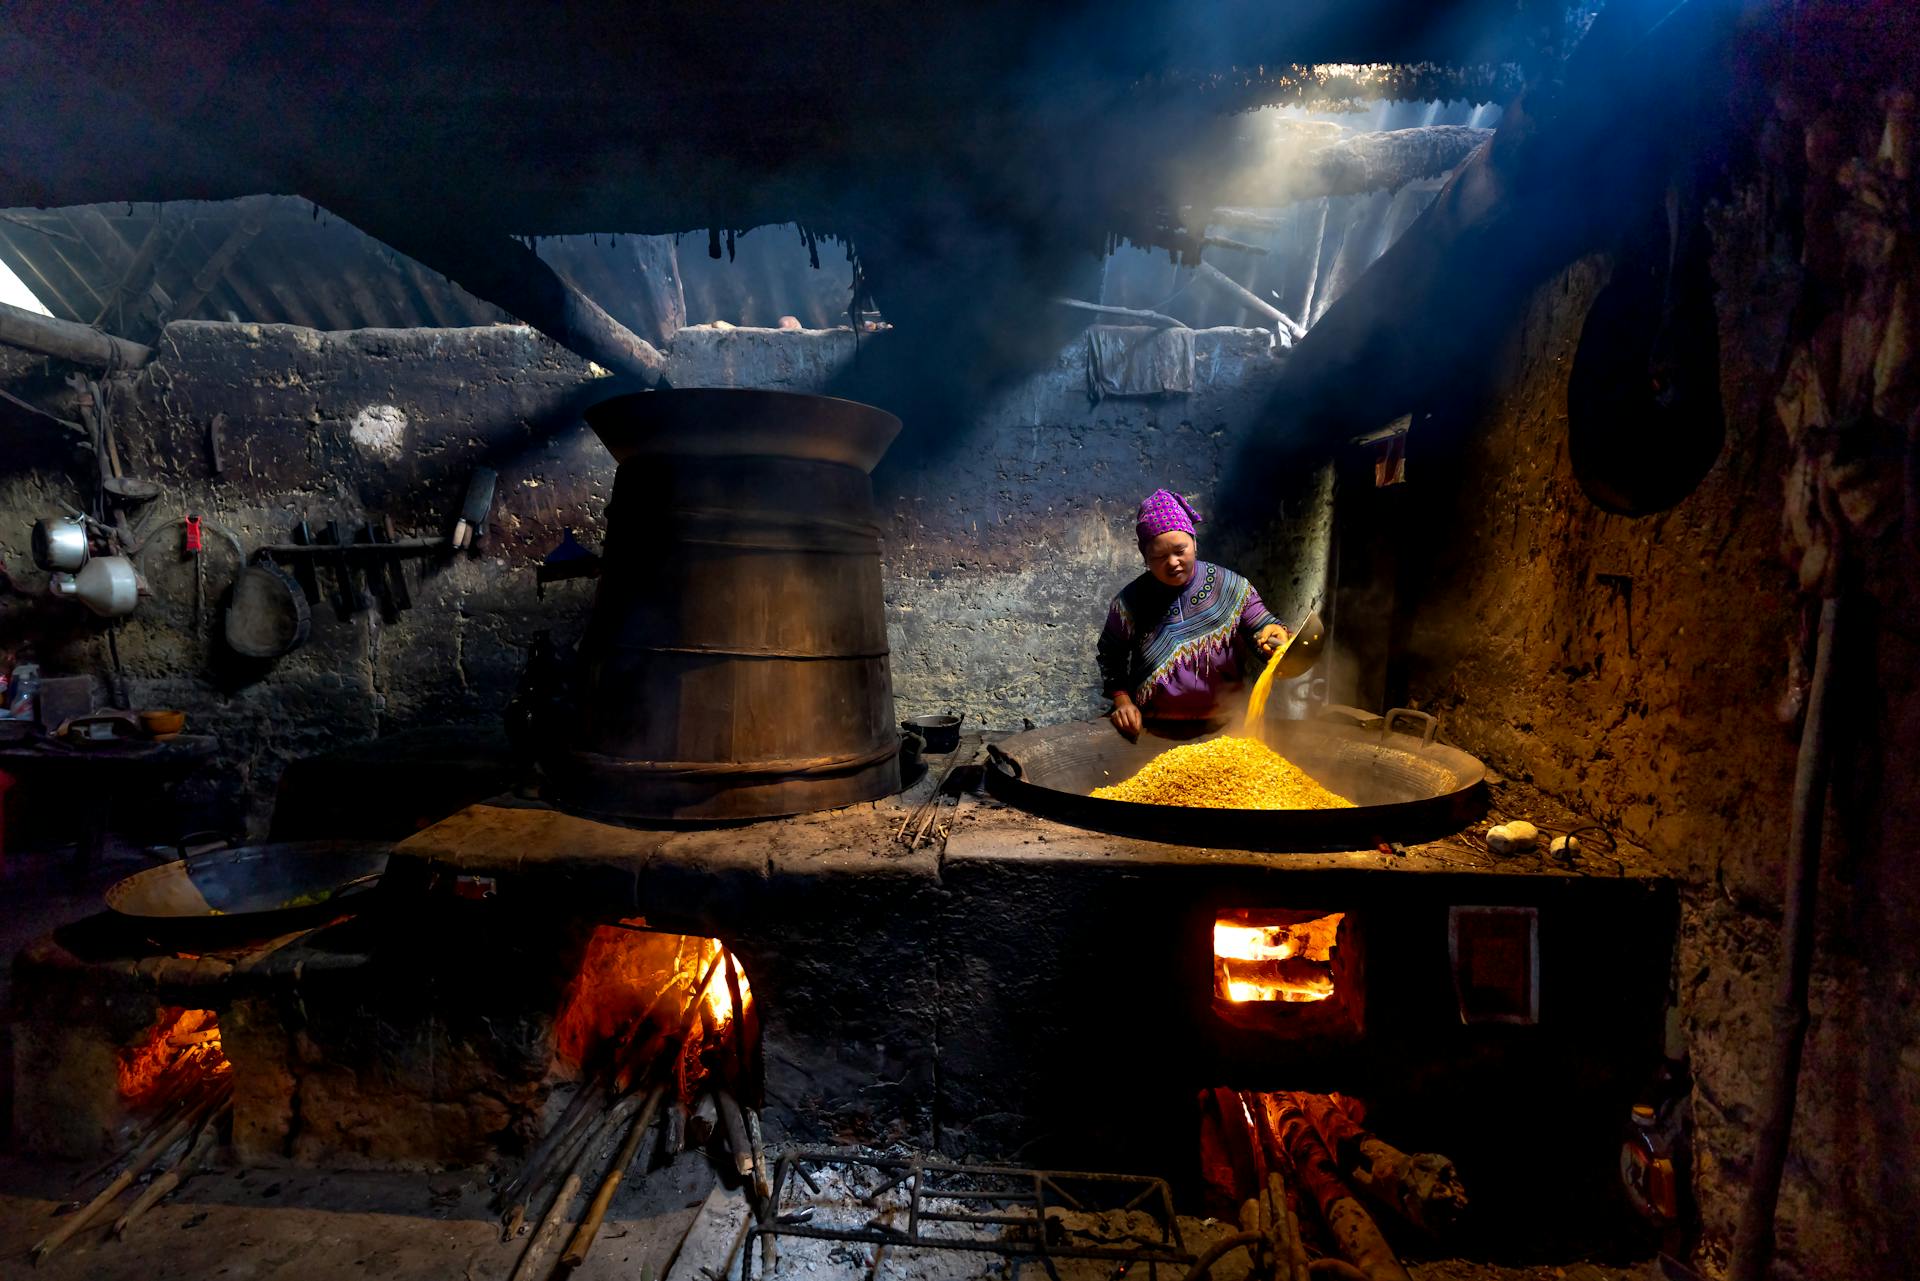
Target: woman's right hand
x=1125, y=716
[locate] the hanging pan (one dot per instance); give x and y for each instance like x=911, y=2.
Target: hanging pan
x=267, y=615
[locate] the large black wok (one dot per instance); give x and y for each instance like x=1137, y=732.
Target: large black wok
x=250, y=891
x=1406, y=787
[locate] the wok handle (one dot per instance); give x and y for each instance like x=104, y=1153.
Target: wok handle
x=192, y=845
x=1005, y=762
x=1432, y=726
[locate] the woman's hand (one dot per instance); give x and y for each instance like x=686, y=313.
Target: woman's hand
x=1270, y=638
x=1125, y=715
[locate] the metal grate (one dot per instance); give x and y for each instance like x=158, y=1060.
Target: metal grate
x=1005, y=1210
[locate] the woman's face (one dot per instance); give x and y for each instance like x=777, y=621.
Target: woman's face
x=1169, y=558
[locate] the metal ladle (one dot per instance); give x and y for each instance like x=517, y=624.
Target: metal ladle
x=1299, y=654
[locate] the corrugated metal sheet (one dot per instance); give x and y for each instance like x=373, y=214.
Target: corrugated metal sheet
x=129, y=268
x=282, y=260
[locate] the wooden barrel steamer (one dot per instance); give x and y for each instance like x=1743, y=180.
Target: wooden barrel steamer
x=735, y=665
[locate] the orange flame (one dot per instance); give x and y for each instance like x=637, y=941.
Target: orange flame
x=1286, y=961
x=629, y=971
x=176, y=1036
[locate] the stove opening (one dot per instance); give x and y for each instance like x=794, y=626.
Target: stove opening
x=1289, y=970
x=640, y=994
x=172, y=1059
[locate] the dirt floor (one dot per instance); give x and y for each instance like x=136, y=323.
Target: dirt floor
x=292, y=1225
x=283, y=1225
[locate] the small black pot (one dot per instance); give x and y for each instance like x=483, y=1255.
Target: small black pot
x=940, y=733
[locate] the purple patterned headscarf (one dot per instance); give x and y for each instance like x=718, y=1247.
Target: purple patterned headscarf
x=1163, y=512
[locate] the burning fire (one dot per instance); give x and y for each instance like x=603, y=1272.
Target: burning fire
x=1278, y=961
x=630, y=974
x=181, y=1048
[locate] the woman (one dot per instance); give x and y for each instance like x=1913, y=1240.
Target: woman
x=1177, y=637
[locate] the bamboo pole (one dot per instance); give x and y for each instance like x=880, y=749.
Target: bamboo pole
x=532, y=1259
x=1753, y=1237
x=576, y=1251
x=182, y=1170
x=144, y=1157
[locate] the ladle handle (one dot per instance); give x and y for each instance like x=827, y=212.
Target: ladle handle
x=1432, y=726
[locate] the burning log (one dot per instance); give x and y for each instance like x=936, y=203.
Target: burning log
x=645, y=1044
x=1424, y=1188
x=1355, y=1234
x=738, y=1002
x=648, y=1052
x=1297, y=978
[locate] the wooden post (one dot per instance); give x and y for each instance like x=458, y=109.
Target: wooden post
x=66, y=340
x=501, y=270
x=252, y=219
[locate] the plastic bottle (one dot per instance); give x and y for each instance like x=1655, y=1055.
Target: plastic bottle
x=25, y=693
x=1646, y=1168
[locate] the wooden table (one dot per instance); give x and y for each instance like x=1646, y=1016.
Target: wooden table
x=103, y=773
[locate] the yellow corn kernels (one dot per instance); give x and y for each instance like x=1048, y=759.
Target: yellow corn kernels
x=1225, y=773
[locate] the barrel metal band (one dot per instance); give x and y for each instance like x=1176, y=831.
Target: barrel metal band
x=799, y=767
x=727, y=652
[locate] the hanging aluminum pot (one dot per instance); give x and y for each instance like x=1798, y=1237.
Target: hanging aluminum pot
x=60, y=544
x=107, y=585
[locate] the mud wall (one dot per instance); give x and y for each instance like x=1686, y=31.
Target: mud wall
x=1000, y=548
x=1635, y=668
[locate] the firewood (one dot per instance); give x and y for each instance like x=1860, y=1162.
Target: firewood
x=736, y=1131
x=533, y=1260
x=702, y=1121
x=1241, y=1142
x=143, y=1157
x=673, y=1134
x=762, y=1181
x=576, y=1252
x=739, y=1022
x=1355, y=1234
x=588, y=1099
x=181, y=1171
x=1290, y=1251
x=1423, y=1188
x=653, y=1046
x=554, y=1151
x=1217, y=1174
